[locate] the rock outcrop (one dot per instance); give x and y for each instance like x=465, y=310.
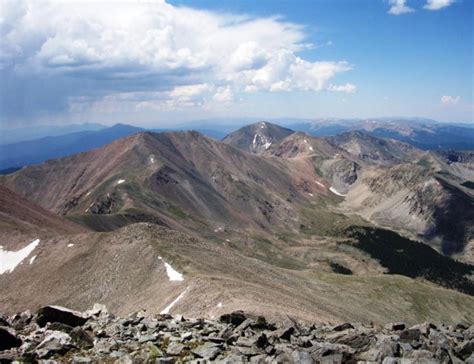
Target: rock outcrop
x=99, y=336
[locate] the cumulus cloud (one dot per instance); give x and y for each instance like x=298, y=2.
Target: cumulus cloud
x=450, y=100
x=437, y=4
x=223, y=94
x=147, y=54
x=347, y=88
x=399, y=7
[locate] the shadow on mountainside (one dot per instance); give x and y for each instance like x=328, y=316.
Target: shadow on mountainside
x=412, y=259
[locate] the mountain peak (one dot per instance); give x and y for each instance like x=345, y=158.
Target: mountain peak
x=258, y=137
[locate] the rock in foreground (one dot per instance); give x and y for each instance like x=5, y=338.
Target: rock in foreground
x=97, y=336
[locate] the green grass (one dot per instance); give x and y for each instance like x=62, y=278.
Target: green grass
x=263, y=249
x=321, y=221
x=177, y=212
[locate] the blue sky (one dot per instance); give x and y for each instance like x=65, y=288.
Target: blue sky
x=154, y=63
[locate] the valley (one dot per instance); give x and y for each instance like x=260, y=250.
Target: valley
x=268, y=220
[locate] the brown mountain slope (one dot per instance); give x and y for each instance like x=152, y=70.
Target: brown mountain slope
x=123, y=270
x=182, y=180
x=374, y=150
x=263, y=236
x=393, y=184
x=20, y=216
x=413, y=198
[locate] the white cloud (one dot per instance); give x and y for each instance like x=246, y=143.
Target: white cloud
x=223, y=94
x=347, y=88
x=437, y=4
x=144, y=53
x=450, y=100
x=399, y=7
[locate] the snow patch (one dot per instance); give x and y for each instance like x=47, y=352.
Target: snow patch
x=320, y=184
x=173, y=275
x=10, y=260
x=263, y=125
x=309, y=193
x=305, y=141
x=219, y=305
x=267, y=145
x=33, y=259
x=254, y=142
x=336, y=192
x=170, y=306
x=120, y=181
x=70, y=245
x=88, y=193
x=311, y=148
x=62, y=308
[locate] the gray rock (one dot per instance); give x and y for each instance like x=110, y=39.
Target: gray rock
x=232, y=359
x=396, y=326
x=81, y=338
x=465, y=350
x=175, y=348
x=391, y=360
x=342, y=327
x=207, y=351
x=8, y=339
x=76, y=359
x=331, y=359
x=4, y=320
x=59, y=314
x=166, y=360
x=247, y=351
x=147, y=338
x=283, y=333
x=125, y=359
x=55, y=342
x=234, y=318
x=236, y=338
x=303, y=357
x=410, y=335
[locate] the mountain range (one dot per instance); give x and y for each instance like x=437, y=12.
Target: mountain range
x=344, y=227
x=19, y=147
x=425, y=134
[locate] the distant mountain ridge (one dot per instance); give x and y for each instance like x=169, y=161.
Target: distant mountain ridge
x=15, y=135
x=24, y=153
x=422, y=133
x=387, y=181
x=36, y=151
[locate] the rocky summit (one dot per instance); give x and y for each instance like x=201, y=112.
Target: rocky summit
x=57, y=335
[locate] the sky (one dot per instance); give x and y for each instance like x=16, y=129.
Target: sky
x=157, y=63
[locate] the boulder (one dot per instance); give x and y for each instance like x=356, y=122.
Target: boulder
x=81, y=338
x=8, y=339
x=59, y=314
x=208, y=351
x=342, y=327
x=56, y=342
x=234, y=318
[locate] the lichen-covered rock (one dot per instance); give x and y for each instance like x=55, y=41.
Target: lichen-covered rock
x=97, y=336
